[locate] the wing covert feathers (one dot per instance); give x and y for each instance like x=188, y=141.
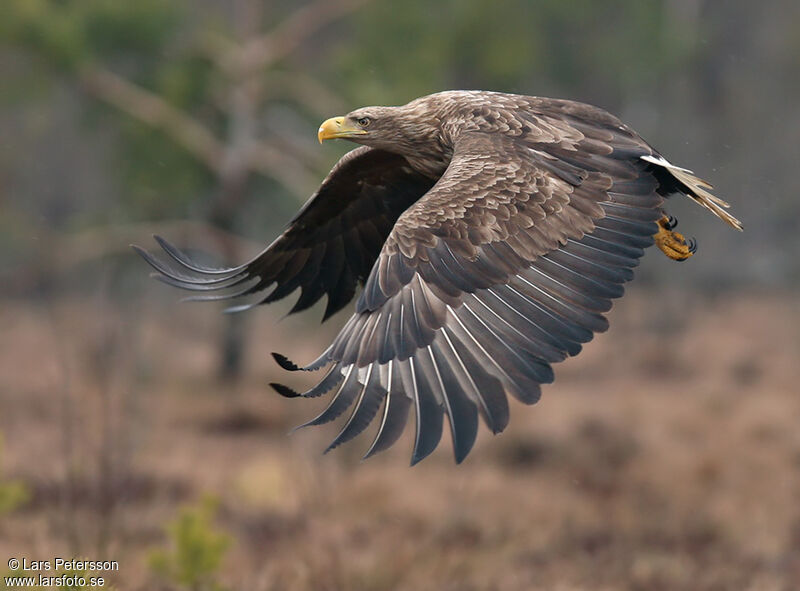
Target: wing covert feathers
x=498, y=272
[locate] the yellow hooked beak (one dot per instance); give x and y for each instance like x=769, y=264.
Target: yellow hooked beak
x=337, y=127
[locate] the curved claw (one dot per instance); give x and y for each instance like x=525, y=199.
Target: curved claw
x=672, y=222
x=673, y=244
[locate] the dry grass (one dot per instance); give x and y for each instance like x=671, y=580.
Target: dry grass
x=666, y=456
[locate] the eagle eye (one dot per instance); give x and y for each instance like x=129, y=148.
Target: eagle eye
x=363, y=121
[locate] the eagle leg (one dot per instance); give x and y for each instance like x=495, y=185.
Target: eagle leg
x=673, y=244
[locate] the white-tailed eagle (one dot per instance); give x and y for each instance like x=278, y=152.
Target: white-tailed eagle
x=490, y=233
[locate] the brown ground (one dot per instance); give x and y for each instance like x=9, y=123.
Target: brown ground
x=666, y=456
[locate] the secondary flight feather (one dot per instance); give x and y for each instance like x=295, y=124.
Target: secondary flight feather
x=490, y=233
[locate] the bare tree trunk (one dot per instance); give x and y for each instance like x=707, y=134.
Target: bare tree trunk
x=234, y=175
x=232, y=340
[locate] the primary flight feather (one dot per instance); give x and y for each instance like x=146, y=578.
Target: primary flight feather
x=490, y=233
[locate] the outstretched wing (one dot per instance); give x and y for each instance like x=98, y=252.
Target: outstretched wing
x=504, y=267
x=329, y=246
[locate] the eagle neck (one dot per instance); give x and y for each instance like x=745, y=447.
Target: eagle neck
x=430, y=153
x=431, y=164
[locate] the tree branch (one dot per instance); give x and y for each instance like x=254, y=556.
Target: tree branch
x=267, y=49
x=192, y=135
x=155, y=111
x=306, y=91
x=273, y=162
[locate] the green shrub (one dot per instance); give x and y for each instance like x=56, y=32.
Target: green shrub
x=13, y=493
x=196, y=549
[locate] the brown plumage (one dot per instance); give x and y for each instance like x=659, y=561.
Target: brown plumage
x=490, y=233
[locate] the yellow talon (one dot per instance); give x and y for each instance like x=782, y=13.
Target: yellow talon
x=671, y=243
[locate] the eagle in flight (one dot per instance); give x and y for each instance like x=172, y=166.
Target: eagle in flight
x=489, y=232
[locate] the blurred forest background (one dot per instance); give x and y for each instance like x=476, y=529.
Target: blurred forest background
x=666, y=456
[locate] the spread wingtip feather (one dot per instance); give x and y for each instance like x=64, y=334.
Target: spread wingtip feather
x=285, y=362
x=284, y=391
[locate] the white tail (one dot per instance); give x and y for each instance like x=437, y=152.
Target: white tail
x=698, y=190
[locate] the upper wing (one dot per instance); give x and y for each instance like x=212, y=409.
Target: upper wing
x=504, y=267
x=328, y=247
x=600, y=130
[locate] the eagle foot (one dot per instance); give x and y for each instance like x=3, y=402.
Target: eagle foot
x=673, y=244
